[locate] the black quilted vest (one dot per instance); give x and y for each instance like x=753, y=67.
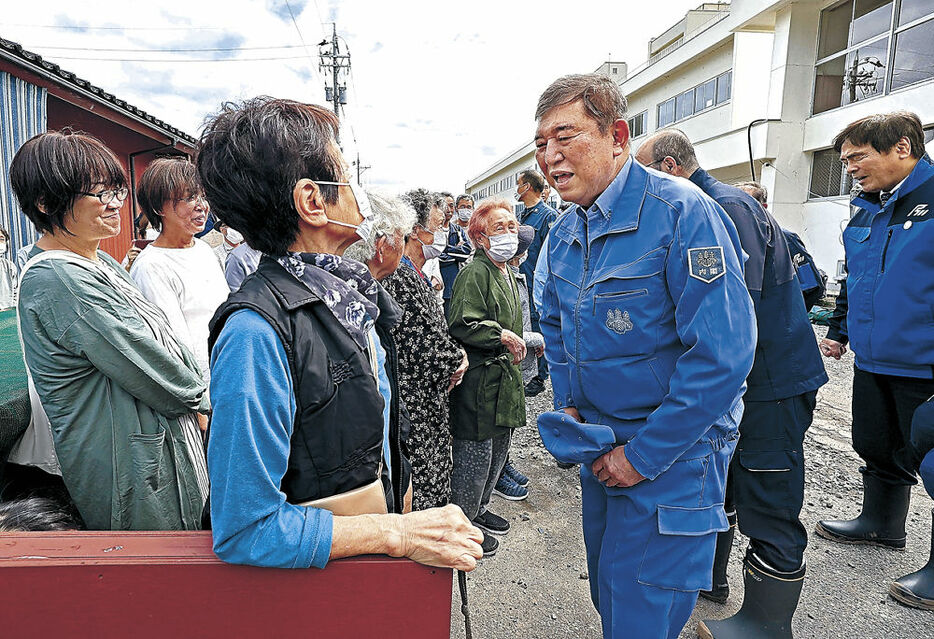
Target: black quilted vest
x=337, y=435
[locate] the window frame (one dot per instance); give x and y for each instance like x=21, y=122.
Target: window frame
x=891, y=33
x=644, y=115
x=693, y=101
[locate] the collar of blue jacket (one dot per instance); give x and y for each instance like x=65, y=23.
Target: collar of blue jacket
x=922, y=172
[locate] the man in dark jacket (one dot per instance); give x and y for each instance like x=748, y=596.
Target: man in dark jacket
x=540, y=216
x=813, y=281
x=884, y=313
x=765, y=488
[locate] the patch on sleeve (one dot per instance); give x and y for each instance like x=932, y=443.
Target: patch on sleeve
x=706, y=264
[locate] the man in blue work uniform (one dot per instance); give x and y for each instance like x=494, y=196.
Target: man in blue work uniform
x=649, y=329
x=540, y=216
x=884, y=312
x=765, y=489
x=456, y=252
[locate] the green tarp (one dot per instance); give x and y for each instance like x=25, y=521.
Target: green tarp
x=14, y=394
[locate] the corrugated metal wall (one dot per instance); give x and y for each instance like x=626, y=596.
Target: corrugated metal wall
x=23, y=114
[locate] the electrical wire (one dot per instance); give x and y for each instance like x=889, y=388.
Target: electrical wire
x=311, y=62
x=90, y=28
x=65, y=57
x=218, y=49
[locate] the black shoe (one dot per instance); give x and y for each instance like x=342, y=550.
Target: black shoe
x=489, y=545
x=768, y=605
x=917, y=589
x=565, y=465
x=491, y=523
x=534, y=387
x=881, y=522
x=721, y=587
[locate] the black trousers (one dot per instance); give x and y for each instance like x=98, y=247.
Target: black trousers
x=765, y=484
x=883, y=406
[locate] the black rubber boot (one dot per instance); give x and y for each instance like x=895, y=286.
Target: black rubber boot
x=721, y=587
x=768, y=605
x=917, y=589
x=882, y=521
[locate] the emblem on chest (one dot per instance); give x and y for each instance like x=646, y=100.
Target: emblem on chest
x=618, y=321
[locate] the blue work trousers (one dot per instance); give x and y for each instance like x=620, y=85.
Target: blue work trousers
x=650, y=547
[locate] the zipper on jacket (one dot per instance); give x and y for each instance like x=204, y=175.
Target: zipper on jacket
x=885, y=249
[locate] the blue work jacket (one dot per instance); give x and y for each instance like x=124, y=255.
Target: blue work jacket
x=648, y=324
x=540, y=217
x=885, y=305
x=455, y=254
x=788, y=362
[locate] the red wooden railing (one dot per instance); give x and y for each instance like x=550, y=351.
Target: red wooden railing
x=170, y=585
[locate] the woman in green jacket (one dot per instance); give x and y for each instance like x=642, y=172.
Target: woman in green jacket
x=119, y=393
x=486, y=317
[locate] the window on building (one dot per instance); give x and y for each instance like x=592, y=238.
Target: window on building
x=615, y=70
x=684, y=104
x=666, y=113
x=724, y=86
x=870, y=47
x=696, y=99
x=705, y=96
x=914, y=56
x=828, y=179
x=638, y=124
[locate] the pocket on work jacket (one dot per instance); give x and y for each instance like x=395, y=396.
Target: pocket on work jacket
x=626, y=307
x=679, y=553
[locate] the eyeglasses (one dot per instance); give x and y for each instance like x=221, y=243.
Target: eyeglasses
x=106, y=197
x=193, y=199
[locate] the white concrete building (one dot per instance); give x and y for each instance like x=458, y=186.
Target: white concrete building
x=787, y=74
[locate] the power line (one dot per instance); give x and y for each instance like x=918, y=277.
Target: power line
x=217, y=49
x=90, y=28
x=288, y=57
x=301, y=37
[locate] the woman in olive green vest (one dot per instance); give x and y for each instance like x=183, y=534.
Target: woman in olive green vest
x=486, y=317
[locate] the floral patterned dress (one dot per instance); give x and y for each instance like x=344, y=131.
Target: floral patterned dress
x=428, y=356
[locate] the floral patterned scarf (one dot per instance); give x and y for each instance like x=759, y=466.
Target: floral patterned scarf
x=345, y=286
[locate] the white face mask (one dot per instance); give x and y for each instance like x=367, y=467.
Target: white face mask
x=2, y=247
x=519, y=194
x=437, y=246
x=365, y=228
x=503, y=247
x=464, y=214
x=234, y=237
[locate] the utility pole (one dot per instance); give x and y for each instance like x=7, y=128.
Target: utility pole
x=332, y=59
x=360, y=169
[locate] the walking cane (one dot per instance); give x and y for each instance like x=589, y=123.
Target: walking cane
x=462, y=584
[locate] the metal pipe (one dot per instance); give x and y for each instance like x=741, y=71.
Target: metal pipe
x=752, y=166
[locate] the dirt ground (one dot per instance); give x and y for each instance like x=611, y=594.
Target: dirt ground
x=536, y=585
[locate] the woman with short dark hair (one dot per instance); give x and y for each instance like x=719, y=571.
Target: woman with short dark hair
x=120, y=392
x=178, y=272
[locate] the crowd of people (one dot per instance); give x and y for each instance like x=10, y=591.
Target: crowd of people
x=341, y=372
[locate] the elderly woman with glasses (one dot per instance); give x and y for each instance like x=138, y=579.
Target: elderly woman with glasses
x=178, y=272
x=430, y=363
x=486, y=317
x=115, y=392
x=298, y=449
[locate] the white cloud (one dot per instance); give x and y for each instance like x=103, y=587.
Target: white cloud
x=439, y=90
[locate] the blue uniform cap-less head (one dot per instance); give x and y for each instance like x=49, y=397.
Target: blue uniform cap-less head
x=574, y=442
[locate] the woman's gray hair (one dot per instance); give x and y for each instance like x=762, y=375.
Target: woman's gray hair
x=391, y=215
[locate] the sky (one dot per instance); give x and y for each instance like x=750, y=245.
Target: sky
x=438, y=91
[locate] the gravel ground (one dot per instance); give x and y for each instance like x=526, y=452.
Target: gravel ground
x=536, y=585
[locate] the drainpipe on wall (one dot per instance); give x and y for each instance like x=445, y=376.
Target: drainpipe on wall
x=752, y=166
